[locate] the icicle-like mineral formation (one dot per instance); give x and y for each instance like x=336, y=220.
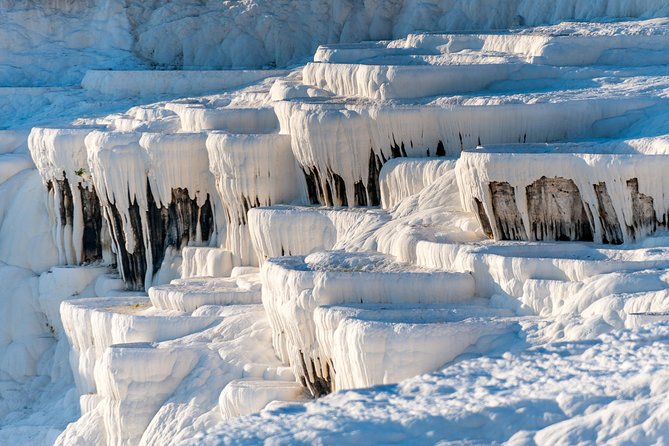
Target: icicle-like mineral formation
x=155, y=191
x=251, y=170
x=565, y=192
x=74, y=207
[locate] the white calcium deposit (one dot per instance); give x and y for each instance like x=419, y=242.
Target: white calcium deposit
x=334, y=222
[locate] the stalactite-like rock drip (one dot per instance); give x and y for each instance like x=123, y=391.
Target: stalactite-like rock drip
x=128, y=236
x=507, y=216
x=608, y=218
x=315, y=378
x=154, y=230
x=331, y=138
x=92, y=238
x=556, y=211
x=78, y=227
x=174, y=226
x=483, y=219
x=155, y=192
x=342, y=148
x=373, y=186
x=257, y=170
x=331, y=188
x=602, y=192
x=643, y=211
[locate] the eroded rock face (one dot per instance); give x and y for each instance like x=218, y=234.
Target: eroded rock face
x=155, y=230
x=483, y=218
x=131, y=264
x=74, y=205
x=608, y=218
x=506, y=212
x=69, y=209
x=556, y=211
x=643, y=210
x=554, y=206
x=330, y=188
x=154, y=188
x=545, y=193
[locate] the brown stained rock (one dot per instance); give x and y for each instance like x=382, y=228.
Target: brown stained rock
x=483, y=219
x=506, y=215
x=313, y=185
x=644, y=220
x=373, y=185
x=92, y=215
x=66, y=211
x=611, y=231
x=556, y=211
x=315, y=379
x=172, y=226
x=339, y=190
x=132, y=266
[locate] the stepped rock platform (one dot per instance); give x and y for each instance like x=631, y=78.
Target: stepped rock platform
x=228, y=242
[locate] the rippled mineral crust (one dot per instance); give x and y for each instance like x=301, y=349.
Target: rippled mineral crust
x=314, y=222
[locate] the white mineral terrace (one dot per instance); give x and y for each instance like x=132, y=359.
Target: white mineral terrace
x=92, y=325
x=616, y=197
x=293, y=287
x=371, y=344
x=186, y=295
x=61, y=158
x=251, y=171
x=144, y=83
x=473, y=222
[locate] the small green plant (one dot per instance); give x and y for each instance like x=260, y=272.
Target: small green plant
x=80, y=172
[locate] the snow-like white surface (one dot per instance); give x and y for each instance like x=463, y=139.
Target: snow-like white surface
x=230, y=119
x=383, y=293
x=161, y=383
x=64, y=283
x=130, y=395
x=187, y=295
x=398, y=81
x=611, y=390
x=376, y=344
x=198, y=261
x=289, y=231
x=182, y=83
x=401, y=178
x=244, y=397
x=117, y=35
x=25, y=333
x=22, y=200
x=92, y=325
x=293, y=287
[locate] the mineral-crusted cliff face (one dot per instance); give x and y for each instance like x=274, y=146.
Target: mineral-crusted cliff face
x=564, y=197
x=277, y=298
x=79, y=230
x=155, y=191
x=117, y=34
x=251, y=170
